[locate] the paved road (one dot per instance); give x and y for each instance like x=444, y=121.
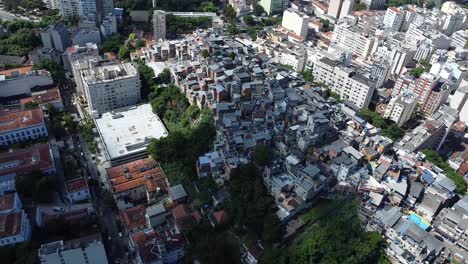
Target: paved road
x=5, y=15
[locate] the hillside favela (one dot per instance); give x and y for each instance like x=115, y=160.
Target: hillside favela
x=233, y=132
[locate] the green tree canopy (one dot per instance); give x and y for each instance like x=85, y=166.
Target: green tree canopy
x=57, y=71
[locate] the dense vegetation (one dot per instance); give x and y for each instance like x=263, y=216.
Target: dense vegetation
x=176, y=25
x=251, y=206
x=191, y=132
x=57, y=71
x=437, y=160
x=389, y=128
x=113, y=43
x=19, y=42
x=337, y=238
x=26, y=4
x=36, y=186
x=358, y=6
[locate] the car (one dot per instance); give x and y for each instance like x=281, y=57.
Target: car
x=120, y=234
x=441, y=239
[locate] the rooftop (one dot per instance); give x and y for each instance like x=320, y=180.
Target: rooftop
x=27, y=160
x=43, y=97
x=129, y=130
x=134, y=217
x=21, y=119
x=10, y=224
x=143, y=172
x=76, y=185
x=7, y=202
x=109, y=73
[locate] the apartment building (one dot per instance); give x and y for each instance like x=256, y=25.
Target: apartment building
x=273, y=7
x=77, y=52
x=86, y=35
x=111, y=86
x=108, y=26
x=345, y=81
x=296, y=22
x=400, y=108
x=394, y=18
x=159, y=24
x=56, y=37
x=353, y=38
x=459, y=39
x=22, y=126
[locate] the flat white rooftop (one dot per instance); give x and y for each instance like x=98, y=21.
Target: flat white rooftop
x=129, y=130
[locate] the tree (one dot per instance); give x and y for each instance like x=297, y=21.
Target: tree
x=232, y=29
x=205, y=53
x=307, y=75
x=263, y=155
x=146, y=79
x=208, y=7
x=113, y=43
x=70, y=124
x=248, y=20
x=229, y=13
x=57, y=71
x=31, y=105
x=258, y=10
x=164, y=77
x=417, y=72
x=358, y=6
x=124, y=52
x=139, y=43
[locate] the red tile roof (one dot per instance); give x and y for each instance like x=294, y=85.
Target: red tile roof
x=184, y=216
x=10, y=224
x=143, y=172
x=141, y=237
x=43, y=97
x=21, y=70
x=21, y=119
x=134, y=217
x=76, y=185
x=221, y=217
x=7, y=202
x=36, y=158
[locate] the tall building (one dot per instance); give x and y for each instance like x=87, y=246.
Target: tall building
x=273, y=7
x=394, y=18
x=346, y=8
x=345, y=81
x=69, y=8
x=459, y=39
x=77, y=52
x=111, y=86
x=56, y=37
x=400, y=108
x=375, y=4
x=459, y=101
x=108, y=26
x=296, y=22
x=159, y=24
x=352, y=37
x=334, y=8
x=104, y=7
x=81, y=250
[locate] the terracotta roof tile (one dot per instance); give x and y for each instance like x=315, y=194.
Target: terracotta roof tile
x=76, y=185
x=21, y=119
x=26, y=160
x=10, y=224
x=7, y=202
x=134, y=217
x=20, y=70
x=43, y=97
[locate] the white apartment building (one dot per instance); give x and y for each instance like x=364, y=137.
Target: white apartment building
x=77, y=7
x=353, y=38
x=459, y=99
x=274, y=6
x=394, y=18
x=459, y=39
x=399, y=58
x=400, y=108
x=334, y=8
x=344, y=81
x=159, y=24
x=22, y=126
x=111, y=86
x=81, y=250
x=14, y=228
x=296, y=22
x=346, y=8
x=296, y=60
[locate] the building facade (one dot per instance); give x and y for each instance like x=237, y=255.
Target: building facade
x=111, y=86
x=159, y=24
x=296, y=22
x=22, y=126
